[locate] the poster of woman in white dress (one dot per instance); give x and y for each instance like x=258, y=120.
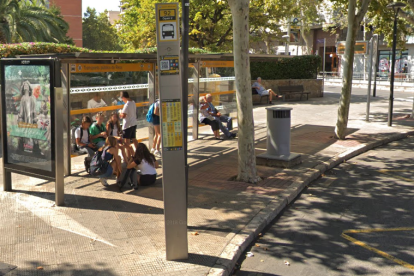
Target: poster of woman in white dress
x=27, y=89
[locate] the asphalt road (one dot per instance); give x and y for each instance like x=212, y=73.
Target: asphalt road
x=372, y=191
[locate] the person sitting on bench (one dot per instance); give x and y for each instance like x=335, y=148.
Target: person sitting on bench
x=220, y=118
x=205, y=118
x=263, y=91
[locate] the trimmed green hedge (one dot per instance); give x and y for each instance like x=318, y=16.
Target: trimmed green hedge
x=30, y=48
x=300, y=67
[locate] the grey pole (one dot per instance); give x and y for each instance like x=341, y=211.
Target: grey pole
x=323, y=65
x=371, y=49
x=394, y=46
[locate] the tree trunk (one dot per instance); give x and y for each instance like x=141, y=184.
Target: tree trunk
x=307, y=36
x=268, y=44
x=348, y=70
x=246, y=155
x=354, y=21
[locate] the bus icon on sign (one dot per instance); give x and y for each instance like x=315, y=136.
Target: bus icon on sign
x=168, y=30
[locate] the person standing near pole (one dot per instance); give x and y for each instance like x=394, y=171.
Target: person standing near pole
x=129, y=125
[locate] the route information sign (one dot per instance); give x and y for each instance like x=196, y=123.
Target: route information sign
x=168, y=23
x=171, y=125
x=361, y=48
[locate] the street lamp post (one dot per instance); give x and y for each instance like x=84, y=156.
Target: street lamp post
x=396, y=7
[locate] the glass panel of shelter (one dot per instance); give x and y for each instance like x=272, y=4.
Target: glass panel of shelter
x=217, y=78
x=104, y=88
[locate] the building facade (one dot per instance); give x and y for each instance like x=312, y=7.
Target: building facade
x=72, y=13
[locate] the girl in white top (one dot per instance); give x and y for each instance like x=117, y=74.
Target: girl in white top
x=146, y=163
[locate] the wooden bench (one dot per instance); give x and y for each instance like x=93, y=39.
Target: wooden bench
x=291, y=90
x=257, y=98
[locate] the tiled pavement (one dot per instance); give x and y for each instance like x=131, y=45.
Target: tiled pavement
x=101, y=231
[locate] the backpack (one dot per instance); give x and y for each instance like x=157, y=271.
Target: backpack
x=150, y=113
x=98, y=165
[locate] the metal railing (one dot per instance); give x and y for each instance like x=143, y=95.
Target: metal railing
x=361, y=76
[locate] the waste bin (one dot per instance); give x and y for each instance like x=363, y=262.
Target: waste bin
x=278, y=140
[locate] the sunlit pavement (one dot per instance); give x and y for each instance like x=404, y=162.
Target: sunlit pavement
x=102, y=231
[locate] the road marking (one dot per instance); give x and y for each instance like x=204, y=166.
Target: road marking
x=387, y=172
x=373, y=249
x=328, y=181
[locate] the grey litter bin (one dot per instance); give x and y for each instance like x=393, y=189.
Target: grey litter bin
x=278, y=140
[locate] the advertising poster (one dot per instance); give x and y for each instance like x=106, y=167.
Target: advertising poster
x=27, y=94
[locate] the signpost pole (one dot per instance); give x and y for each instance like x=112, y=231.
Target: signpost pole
x=185, y=6
x=374, y=93
x=172, y=131
x=371, y=49
x=323, y=66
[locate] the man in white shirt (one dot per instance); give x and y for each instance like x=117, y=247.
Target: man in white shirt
x=96, y=102
x=263, y=91
x=129, y=125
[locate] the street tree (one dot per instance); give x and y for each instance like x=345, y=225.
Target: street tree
x=355, y=14
x=266, y=19
x=30, y=21
x=98, y=33
x=211, y=25
x=308, y=12
x=247, y=171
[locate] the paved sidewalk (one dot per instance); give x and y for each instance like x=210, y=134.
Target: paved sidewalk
x=101, y=231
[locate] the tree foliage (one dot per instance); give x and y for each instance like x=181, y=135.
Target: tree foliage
x=31, y=21
x=211, y=25
x=98, y=33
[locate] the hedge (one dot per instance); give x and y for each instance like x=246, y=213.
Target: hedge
x=30, y=48
x=299, y=67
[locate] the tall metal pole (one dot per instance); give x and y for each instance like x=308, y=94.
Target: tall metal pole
x=323, y=65
x=394, y=46
x=371, y=50
x=374, y=93
x=185, y=6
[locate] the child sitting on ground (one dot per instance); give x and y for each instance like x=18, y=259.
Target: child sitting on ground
x=111, y=157
x=146, y=163
x=82, y=137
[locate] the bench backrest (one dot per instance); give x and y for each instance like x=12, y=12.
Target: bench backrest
x=291, y=88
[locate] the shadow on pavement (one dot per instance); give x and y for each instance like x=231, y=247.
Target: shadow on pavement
x=366, y=198
x=97, y=203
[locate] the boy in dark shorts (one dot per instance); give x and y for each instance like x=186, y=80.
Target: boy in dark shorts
x=129, y=126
